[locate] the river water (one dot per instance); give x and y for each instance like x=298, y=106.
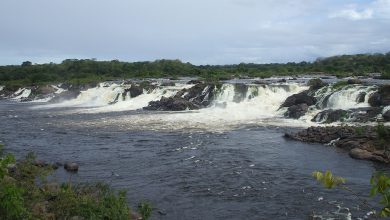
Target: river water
x=206, y=164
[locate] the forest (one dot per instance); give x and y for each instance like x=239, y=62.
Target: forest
x=91, y=70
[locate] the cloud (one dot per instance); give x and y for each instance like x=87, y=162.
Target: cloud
x=353, y=14
x=201, y=32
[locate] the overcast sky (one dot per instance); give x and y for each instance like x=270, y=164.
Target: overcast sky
x=197, y=31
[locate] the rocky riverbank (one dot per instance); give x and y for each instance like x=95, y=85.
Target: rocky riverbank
x=23, y=197
x=366, y=143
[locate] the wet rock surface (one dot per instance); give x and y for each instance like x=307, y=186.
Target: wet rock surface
x=316, y=84
x=300, y=98
x=381, y=97
x=297, y=111
x=298, y=104
x=196, y=97
x=360, y=142
x=366, y=114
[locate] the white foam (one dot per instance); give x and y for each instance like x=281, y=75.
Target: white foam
x=58, y=89
x=21, y=93
x=344, y=98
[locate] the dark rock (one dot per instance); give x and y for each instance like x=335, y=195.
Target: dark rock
x=354, y=81
x=259, y=82
x=11, y=168
x=374, y=99
x=297, y=111
x=381, y=97
x=72, y=167
x=321, y=134
x=171, y=104
x=168, y=84
x=331, y=115
x=282, y=81
x=162, y=212
x=316, y=84
x=386, y=115
x=365, y=114
x=194, y=81
x=240, y=91
x=196, y=97
x=56, y=165
x=361, y=97
x=360, y=142
x=135, y=90
x=135, y=216
x=40, y=163
x=361, y=154
x=300, y=98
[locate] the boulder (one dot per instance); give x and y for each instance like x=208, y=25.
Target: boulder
x=300, y=98
x=135, y=90
x=171, y=104
x=375, y=99
x=40, y=163
x=360, y=154
x=331, y=115
x=322, y=135
x=365, y=114
x=196, y=97
x=297, y=111
x=316, y=84
x=11, y=168
x=386, y=115
x=71, y=166
x=361, y=97
x=381, y=97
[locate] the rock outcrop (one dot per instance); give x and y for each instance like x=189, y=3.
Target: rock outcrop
x=196, y=97
x=360, y=142
x=381, y=97
x=298, y=104
x=316, y=84
x=365, y=114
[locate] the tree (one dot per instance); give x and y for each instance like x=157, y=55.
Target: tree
x=26, y=63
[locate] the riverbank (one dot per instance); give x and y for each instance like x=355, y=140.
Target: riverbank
x=361, y=142
x=26, y=192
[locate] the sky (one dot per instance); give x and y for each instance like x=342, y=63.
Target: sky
x=197, y=31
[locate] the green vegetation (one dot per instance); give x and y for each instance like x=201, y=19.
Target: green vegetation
x=25, y=193
x=383, y=136
x=339, y=84
x=359, y=131
x=145, y=209
x=380, y=185
x=90, y=70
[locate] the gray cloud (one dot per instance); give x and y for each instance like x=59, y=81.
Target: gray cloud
x=213, y=31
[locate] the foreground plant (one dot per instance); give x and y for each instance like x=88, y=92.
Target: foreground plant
x=25, y=193
x=380, y=185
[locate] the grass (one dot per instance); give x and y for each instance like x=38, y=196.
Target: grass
x=25, y=193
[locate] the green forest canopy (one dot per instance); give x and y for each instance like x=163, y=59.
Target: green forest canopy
x=87, y=70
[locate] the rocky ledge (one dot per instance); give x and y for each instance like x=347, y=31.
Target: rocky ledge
x=366, y=143
x=196, y=97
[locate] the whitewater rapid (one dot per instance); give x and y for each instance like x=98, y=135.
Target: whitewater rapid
x=233, y=105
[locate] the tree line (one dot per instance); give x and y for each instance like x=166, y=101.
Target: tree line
x=87, y=70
